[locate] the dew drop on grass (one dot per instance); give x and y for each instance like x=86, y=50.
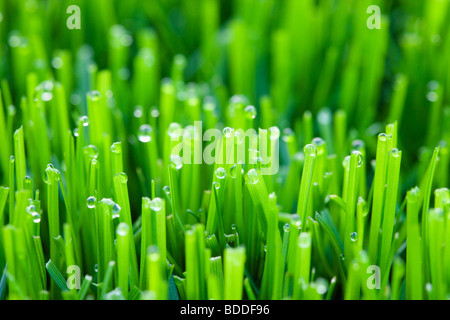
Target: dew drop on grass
x=321, y=286
x=318, y=142
x=176, y=161
x=31, y=209
x=116, y=147
x=57, y=63
x=123, y=178
x=250, y=112
x=227, y=132
x=304, y=241
x=144, y=134
x=395, y=153
x=354, y=236
x=116, y=211
x=96, y=268
x=342, y=257
x=384, y=137
x=138, y=112
x=36, y=217
x=166, y=189
x=253, y=176
x=175, y=131
x=90, y=202
x=221, y=173
x=156, y=204
x=94, y=95
x=310, y=150
x=274, y=133
x=288, y=135
x=154, y=113
x=123, y=229
x=432, y=96
x=287, y=227
x=359, y=157
x=216, y=185
x=84, y=120
x=233, y=171
x=91, y=151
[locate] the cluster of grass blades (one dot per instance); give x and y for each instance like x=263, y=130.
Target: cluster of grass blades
x=94, y=203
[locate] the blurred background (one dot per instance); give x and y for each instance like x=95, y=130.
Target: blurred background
x=287, y=57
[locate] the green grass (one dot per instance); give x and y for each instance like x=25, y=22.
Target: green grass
x=359, y=120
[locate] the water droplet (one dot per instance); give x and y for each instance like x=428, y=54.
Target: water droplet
x=274, y=133
x=287, y=227
x=321, y=286
x=166, y=189
x=94, y=95
x=342, y=257
x=318, y=142
x=31, y=209
x=154, y=113
x=359, y=158
x=116, y=211
x=395, y=153
x=57, y=63
x=221, y=173
x=126, y=40
x=176, y=161
x=90, y=202
x=123, y=178
x=15, y=40
x=12, y=110
x=91, y=151
x=84, y=120
x=96, y=268
x=216, y=185
x=144, y=134
x=265, y=248
x=354, y=236
x=227, y=132
x=116, y=147
x=310, y=149
x=123, y=229
x=253, y=176
x=250, y=112
x=288, y=135
x=175, y=131
x=304, y=240
x=432, y=96
x=138, y=112
x=156, y=204
x=384, y=137
x=233, y=171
